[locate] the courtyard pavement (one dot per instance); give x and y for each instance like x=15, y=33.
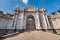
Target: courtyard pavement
x=34, y=35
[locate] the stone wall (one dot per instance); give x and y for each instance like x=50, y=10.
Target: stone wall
x=54, y=21
x=3, y=23
x=6, y=23
x=5, y=26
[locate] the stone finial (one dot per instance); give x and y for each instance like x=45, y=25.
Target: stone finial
x=30, y=7
x=17, y=10
x=35, y=8
x=43, y=11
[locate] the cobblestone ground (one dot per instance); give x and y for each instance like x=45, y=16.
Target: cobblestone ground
x=34, y=35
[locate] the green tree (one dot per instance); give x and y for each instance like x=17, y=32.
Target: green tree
x=58, y=10
x=1, y=11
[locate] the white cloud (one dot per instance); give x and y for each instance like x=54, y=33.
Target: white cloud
x=25, y=1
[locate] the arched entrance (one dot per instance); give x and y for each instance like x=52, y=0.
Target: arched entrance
x=30, y=23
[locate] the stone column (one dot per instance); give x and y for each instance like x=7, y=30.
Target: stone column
x=15, y=18
x=45, y=23
x=49, y=29
x=23, y=20
x=48, y=25
x=37, y=22
x=53, y=19
x=43, y=19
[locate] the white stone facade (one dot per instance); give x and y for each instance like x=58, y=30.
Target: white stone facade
x=41, y=20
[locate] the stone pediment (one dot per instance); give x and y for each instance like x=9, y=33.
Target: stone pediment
x=30, y=8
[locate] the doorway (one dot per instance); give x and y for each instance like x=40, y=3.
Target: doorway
x=30, y=23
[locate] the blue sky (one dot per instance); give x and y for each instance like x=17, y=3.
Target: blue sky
x=8, y=6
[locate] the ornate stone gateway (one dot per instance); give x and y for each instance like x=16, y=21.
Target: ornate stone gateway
x=30, y=23
x=30, y=18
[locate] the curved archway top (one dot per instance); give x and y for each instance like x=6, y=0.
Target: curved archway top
x=30, y=16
